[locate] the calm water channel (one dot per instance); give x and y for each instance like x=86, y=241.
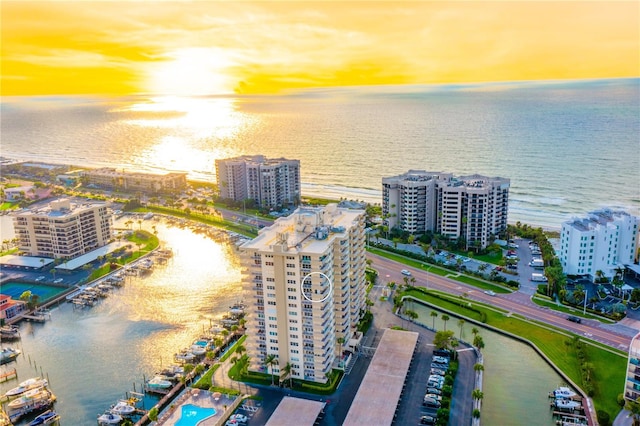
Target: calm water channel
x=517, y=380
x=93, y=356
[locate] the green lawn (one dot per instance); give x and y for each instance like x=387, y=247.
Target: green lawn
x=477, y=282
x=8, y=206
x=233, y=348
x=540, y=301
x=496, y=259
x=609, y=365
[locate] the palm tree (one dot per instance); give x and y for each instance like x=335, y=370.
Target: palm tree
x=413, y=315
x=477, y=394
x=445, y=318
x=443, y=339
x=478, y=368
x=634, y=408
x=286, y=371
x=240, y=349
x=340, y=342
x=474, y=331
x=454, y=347
x=460, y=324
x=478, y=342
x=269, y=362
x=434, y=314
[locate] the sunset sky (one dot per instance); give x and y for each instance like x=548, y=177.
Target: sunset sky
x=207, y=47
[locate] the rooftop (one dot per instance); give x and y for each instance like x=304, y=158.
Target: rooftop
x=380, y=390
x=296, y=412
x=306, y=230
x=60, y=208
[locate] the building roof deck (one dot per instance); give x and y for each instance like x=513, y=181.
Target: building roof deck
x=378, y=395
x=296, y=412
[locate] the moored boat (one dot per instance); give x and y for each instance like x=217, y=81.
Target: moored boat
x=109, y=418
x=46, y=418
x=184, y=356
x=159, y=383
x=563, y=392
x=30, y=397
x=27, y=385
x=567, y=404
x=8, y=354
x=9, y=332
x=123, y=408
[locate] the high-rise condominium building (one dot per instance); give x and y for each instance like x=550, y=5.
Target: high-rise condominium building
x=269, y=182
x=63, y=229
x=305, y=283
x=470, y=207
x=603, y=241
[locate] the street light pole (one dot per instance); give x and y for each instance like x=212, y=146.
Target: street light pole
x=584, y=310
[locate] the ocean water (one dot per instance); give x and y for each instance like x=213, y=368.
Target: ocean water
x=568, y=146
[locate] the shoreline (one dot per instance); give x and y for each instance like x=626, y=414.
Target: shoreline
x=334, y=192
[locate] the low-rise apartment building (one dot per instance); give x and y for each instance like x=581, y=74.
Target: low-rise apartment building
x=133, y=181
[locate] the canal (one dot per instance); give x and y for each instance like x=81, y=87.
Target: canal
x=517, y=380
x=93, y=356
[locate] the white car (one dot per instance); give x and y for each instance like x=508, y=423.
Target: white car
x=40, y=278
x=237, y=418
x=405, y=272
x=58, y=280
x=490, y=292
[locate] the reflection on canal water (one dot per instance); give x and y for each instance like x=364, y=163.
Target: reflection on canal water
x=93, y=356
x=517, y=381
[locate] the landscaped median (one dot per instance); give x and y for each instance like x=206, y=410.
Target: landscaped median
x=598, y=369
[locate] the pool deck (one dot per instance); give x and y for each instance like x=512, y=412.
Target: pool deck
x=201, y=398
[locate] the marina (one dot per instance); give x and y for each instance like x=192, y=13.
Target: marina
x=145, y=321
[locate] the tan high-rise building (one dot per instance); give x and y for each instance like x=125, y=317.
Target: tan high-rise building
x=473, y=207
x=304, y=283
x=268, y=182
x=63, y=229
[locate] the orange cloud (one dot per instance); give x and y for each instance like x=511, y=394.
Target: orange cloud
x=203, y=47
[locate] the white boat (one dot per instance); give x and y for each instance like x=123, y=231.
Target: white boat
x=46, y=418
x=198, y=350
x=567, y=404
x=564, y=392
x=237, y=309
x=185, y=356
x=27, y=385
x=9, y=332
x=123, y=408
x=159, y=383
x=109, y=419
x=29, y=397
x=8, y=355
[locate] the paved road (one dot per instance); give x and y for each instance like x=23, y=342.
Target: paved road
x=618, y=337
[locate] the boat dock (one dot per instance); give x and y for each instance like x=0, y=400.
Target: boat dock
x=37, y=317
x=9, y=375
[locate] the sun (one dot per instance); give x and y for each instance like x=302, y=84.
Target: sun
x=192, y=71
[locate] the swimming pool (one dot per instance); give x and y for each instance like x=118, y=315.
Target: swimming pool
x=192, y=414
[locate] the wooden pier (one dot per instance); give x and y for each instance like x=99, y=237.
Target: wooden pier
x=9, y=375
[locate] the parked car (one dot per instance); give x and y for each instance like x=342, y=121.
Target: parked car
x=430, y=402
x=439, y=366
x=40, y=278
x=428, y=420
x=434, y=391
x=438, y=372
x=58, y=280
x=441, y=359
